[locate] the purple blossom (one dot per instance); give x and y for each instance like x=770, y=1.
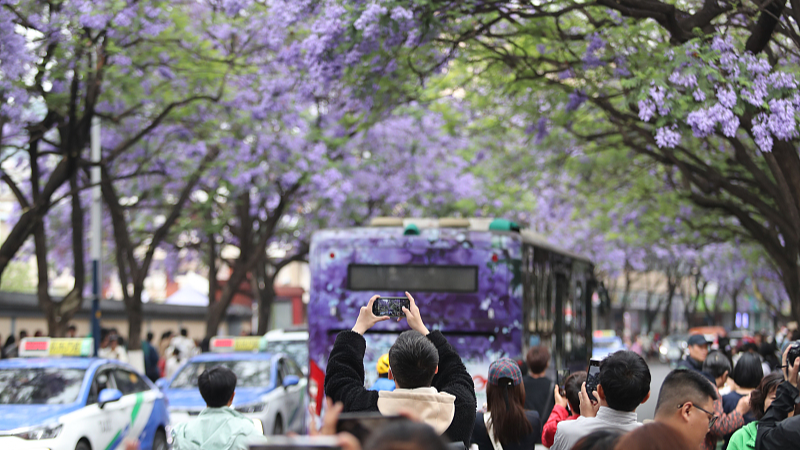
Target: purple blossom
x=400, y=14
x=782, y=122
x=686, y=81
x=722, y=44
x=590, y=58
x=761, y=132
x=668, y=137
x=575, y=100
x=367, y=23
x=782, y=80
x=659, y=96
x=726, y=96
x=647, y=109
x=699, y=95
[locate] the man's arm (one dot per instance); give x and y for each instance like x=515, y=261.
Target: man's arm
x=344, y=376
x=727, y=423
x=558, y=414
x=774, y=430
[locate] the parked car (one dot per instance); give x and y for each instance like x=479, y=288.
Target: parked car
x=672, y=348
x=57, y=397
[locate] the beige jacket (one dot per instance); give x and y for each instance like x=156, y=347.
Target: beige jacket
x=435, y=408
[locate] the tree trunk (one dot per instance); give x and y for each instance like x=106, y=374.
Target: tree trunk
x=791, y=282
x=133, y=308
x=265, y=300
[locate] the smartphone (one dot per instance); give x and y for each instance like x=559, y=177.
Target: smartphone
x=390, y=306
x=562, y=379
x=362, y=425
x=299, y=443
x=592, y=378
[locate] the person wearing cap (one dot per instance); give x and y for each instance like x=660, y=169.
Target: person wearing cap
x=698, y=351
x=383, y=383
x=506, y=425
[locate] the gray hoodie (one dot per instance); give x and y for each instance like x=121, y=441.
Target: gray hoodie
x=217, y=429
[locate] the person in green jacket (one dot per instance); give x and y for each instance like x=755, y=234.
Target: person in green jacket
x=218, y=427
x=745, y=438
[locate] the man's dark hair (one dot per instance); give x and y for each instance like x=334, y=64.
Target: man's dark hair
x=149, y=336
x=216, y=386
x=405, y=435
x=625, y=379
x=748, y=371
x=23, y=334
x=413, y=359
x=599, y=440
x=165, y=335
x=72, y=328
x=717, y=364
x=681, y=386
x=572, y=388
x=537, y=358
x=184, y=332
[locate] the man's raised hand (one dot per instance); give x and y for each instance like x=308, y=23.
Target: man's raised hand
x=413, y=317
x=366, y=319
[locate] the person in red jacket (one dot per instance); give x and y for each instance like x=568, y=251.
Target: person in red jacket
x=570, y=402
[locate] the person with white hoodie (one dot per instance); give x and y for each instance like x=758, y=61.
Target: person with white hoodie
x=431, y=379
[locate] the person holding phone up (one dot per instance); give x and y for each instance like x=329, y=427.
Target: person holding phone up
x=430, y=377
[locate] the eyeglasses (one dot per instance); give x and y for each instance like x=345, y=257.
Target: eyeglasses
x=712, y=418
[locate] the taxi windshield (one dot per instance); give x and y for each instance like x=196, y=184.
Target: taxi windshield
x=249, y=373
x=50, y=386
x=297, y=349
x=611, y=343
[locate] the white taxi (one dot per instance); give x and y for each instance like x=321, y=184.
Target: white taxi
x=270, y=386
x=53, y=398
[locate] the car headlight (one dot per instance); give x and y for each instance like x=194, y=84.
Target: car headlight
x=251, y=408
x=43, y=432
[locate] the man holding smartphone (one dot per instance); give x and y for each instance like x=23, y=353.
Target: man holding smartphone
x=430, y=377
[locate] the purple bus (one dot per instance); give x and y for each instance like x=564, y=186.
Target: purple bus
x=492, y=289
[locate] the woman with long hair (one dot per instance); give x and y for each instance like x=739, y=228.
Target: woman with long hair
x=506, y=425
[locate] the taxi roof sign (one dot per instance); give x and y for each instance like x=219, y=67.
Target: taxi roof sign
x=229, y=344
x=605, y=333
x=45, y=346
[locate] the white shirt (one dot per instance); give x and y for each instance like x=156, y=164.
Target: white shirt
x=569, y=432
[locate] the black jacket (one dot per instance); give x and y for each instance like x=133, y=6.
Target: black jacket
x=689, y=363
x=775, y=431
x=344, y=381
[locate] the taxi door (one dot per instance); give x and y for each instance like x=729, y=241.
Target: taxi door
x=104, y=422
x=136, y=403
x=293, y=395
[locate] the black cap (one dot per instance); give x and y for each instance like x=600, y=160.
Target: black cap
x=697, y=339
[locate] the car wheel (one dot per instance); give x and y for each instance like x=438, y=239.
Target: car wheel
x=277, y=429
x=83, y=445
x=160, y=440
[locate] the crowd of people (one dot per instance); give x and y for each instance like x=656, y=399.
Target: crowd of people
x=160, y=361
x=709, y=401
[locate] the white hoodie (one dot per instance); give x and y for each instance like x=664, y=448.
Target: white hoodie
x=435, y=408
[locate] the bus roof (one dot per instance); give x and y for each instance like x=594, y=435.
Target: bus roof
x=466, y=224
